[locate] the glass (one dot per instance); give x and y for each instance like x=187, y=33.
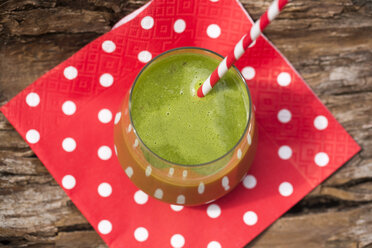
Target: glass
x=177, y=183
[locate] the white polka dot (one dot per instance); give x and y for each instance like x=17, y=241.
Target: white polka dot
x=177, y=241
x=117, y=117
x=285, y=189
x=284, y=79
x=144, y=56
x=248, y=72
x=104, y=189
x=147, y=22
x=104, y=116
x=250, y=218
x=135, y=144
x=201, y=188
x=104, y=152
x=321, y=159
x=129, y=171
x=104, y=227
x=141, y=234
x=32, y=99
x=214, y=244
x=181, y=199
x=225, y=183
x=129, y=128
x=239, y=154
x=69, y=144
x=32, y=136
x=321, y=122
x=285, y=152
x=68, y=182
x=148, y=170
x=68, y=107
x=108, y=46
x=213, y=31
x=158, y=193
x=116, y=150
x=179, y=26
x=249, y=182
x=140, y=197
x=284, y=115
x=213, y=211
x=249, y=139
x=106, y=80
x=70, y=72
x=176, y=208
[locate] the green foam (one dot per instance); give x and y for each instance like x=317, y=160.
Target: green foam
x=179, y=126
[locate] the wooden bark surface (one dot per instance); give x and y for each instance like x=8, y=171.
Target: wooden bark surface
x=329, y=42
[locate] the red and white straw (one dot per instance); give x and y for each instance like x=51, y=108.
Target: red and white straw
x=241, y=46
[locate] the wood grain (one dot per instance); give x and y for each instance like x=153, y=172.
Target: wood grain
x=329, y=42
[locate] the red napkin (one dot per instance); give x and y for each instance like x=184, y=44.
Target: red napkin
x=67, y=117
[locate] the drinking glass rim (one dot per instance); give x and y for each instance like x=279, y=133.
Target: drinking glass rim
x=189, y=165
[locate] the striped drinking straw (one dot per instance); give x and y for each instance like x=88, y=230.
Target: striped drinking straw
x=255, y=30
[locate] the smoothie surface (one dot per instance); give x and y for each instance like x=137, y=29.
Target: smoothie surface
x=179, y=126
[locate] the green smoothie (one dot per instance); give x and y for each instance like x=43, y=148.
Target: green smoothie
x=175, y=123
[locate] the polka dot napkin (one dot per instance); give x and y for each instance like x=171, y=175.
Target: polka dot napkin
x=67, y=117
